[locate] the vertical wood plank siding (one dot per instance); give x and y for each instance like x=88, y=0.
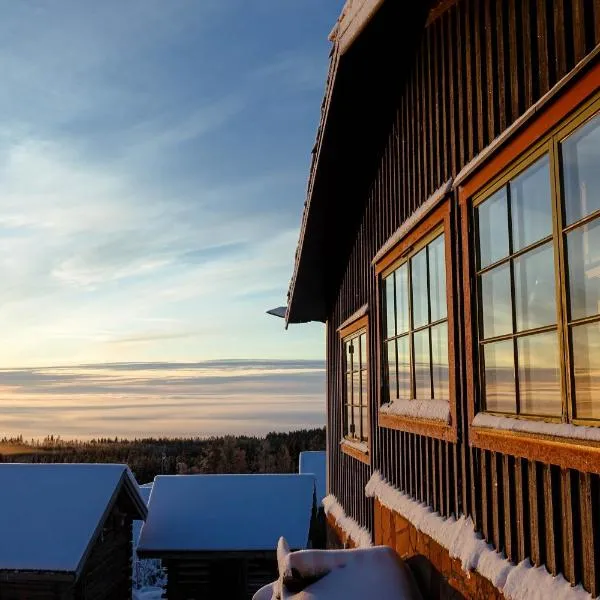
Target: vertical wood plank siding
x=479, y=66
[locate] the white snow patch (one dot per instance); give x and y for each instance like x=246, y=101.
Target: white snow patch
x=359, y=535
x=148, y=593
x=433, y=410
x=314, y=462
x=342, y=575
x=227, y=512
x=360, y=446
x=521, y=582
x=563, y=430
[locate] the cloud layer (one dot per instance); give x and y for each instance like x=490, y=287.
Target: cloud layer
x=158, y=399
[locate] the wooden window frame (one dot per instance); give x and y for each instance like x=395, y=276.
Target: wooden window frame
x=564, y=112
x=352, y=328
x=438, y=217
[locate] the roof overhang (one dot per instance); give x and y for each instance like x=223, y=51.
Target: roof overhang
x=369, y=63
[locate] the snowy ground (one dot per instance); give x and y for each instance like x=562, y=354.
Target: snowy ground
x=148, y=593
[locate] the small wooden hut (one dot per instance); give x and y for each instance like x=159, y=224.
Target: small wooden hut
x=65, y=531
x=217, y=534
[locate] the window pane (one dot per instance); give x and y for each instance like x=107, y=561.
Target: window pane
x=500, y=394
x=402, y=299
x=531, y=208
x=363, y=350
x=392, y=373
x=439, y=353
x=404, y=392
x=586, y=362
x=348, y=388
x=356, y=388
x=437, y=279
x=365, y=425
x=539, y=374
x=356, y=421
x=363, y=387
x=348, y=346
x=422, y=366
x=390, y=310
x=580, y=160
x=492, y=220
x=348, y=419
x=535, y=297
x=583, y=249
x=496, y=304
x=419, y=288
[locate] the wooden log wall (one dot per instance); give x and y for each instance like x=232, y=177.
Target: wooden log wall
x=479, y=66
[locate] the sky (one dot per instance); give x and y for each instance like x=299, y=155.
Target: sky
x=153, y=166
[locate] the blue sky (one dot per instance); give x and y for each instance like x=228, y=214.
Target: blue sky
x=153, y=165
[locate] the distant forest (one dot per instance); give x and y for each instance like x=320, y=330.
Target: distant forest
x=275, y=453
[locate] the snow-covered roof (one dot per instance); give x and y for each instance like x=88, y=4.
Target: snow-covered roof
x=50, y=514
x=314, y=462
x=145, y=491
x=203, y=513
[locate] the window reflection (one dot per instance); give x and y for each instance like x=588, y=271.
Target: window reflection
x=392, y=370
x=419, y=288
x=422, y=365
x=402, y=311
x=390, y=313
x=535, y=294
x=496, y=302
x=437, y=279
x=531, y=208
x=439, y=354
x=580, y=160
x=539, y=376
x=583, y=249
x=492, y=220
x=500, y=393
x=403, y=347
x=586, y=364
x=356, y=386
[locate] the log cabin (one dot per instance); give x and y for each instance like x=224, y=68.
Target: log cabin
x=65, y=531
x=216, y=534
x=450, y=244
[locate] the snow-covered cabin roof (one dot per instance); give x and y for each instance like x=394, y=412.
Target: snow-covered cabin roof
x=314, y=462
x=51, y=514
x=207, y=513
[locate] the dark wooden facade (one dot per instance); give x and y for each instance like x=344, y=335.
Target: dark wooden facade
x=218, y=574
x=478, y=66
x=106, y=573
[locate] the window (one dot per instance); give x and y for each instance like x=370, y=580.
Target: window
x=355, y=419
x=416, y=328
x=356, y=407
x=531, y=267
x=415, y=281
x=537, y=240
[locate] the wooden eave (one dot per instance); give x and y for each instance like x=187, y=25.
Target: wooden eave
x=366, y=75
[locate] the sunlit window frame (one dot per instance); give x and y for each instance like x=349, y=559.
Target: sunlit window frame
x=357, y=448
x=439, y=219
x=542, y=134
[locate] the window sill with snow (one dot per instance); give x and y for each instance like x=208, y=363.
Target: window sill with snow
x=356, y=449
x=563, y=444
x=424, y=417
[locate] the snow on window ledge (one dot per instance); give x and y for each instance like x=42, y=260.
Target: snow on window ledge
x=357, y=445
x=516, y=582
x=359, y=535
x=431, y=410
x=562, y=430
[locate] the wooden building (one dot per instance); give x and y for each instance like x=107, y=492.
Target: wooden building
x=217, y=534
x=449, y=242
x=65, y=531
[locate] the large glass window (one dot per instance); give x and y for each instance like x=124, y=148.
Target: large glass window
x=538, y=282
x=416, y=328
x=356, y=405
